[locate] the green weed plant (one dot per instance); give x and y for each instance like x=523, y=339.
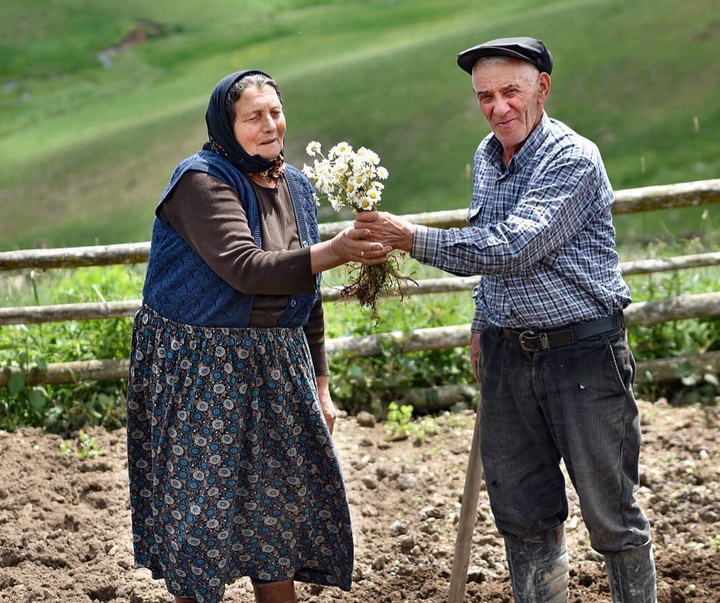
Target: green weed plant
x=400, y=424
x=85, y=448
x=29, y=348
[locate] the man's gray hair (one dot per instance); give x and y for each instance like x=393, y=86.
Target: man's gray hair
x=532, y=70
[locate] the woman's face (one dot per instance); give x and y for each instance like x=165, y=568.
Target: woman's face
x=260, y=122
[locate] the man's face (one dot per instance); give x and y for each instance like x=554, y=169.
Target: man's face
x=511, y=95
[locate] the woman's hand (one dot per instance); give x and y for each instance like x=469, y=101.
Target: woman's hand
x=326, y=403
x=352, y=245
x=349, y=245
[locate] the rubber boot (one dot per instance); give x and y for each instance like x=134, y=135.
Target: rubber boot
x=275, y=592
x=539, y=567
x=631, y=575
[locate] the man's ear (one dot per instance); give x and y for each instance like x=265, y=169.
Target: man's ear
x=544, y=83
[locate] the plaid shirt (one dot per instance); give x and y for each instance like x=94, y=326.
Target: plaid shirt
x=540, y=234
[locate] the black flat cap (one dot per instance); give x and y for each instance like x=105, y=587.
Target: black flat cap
x=527, y=49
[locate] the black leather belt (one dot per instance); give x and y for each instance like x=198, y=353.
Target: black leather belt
x=532, y=341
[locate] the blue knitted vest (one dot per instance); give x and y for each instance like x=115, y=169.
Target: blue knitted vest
x=180, y=285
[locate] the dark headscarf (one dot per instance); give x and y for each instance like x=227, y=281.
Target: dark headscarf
x=222, y=138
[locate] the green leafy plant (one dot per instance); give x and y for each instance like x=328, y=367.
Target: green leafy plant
x=399, y=418
x=677, y=338
x=24, y=404
x=399, y=423
x=85, y=448
x=27, y=349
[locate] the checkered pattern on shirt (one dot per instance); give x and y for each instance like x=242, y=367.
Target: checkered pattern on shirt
x=540, y=234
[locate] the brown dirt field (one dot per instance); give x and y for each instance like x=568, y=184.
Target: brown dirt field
x=65, y=525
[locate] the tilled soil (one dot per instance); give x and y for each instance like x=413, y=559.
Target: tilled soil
x=65, y=525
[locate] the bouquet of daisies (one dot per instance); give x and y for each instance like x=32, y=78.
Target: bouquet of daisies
x=353, y=179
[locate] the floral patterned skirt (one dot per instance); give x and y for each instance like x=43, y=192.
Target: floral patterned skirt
x=232, y=468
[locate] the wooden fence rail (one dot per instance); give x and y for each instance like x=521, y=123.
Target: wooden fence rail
x=123, y=309
x=642, y=313
x=689, y=194
x=434, y=338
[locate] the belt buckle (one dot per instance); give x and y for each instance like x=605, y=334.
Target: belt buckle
x=542, y=338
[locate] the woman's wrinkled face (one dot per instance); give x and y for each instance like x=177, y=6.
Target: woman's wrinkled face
x=260, y=122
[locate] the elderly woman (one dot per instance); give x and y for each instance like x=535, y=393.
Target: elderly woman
x=231, y=462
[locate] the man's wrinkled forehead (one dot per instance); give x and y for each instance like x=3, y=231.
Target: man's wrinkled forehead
x=496, y=75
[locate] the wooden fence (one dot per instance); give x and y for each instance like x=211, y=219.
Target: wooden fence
x=641, y=313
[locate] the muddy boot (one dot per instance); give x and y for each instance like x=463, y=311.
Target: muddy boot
x=275, y=592
x=631, y=575
x=539, y=567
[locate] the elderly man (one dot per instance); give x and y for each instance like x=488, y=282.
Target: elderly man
x=548, y=341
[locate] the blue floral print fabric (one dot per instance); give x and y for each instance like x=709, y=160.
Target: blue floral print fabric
x=232, y=468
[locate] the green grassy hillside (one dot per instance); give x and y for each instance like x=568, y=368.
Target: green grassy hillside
x=99, y=101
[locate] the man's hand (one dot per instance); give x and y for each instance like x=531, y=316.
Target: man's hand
x=387, y=229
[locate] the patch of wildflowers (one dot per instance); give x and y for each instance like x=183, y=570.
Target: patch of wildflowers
x=348, y=178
